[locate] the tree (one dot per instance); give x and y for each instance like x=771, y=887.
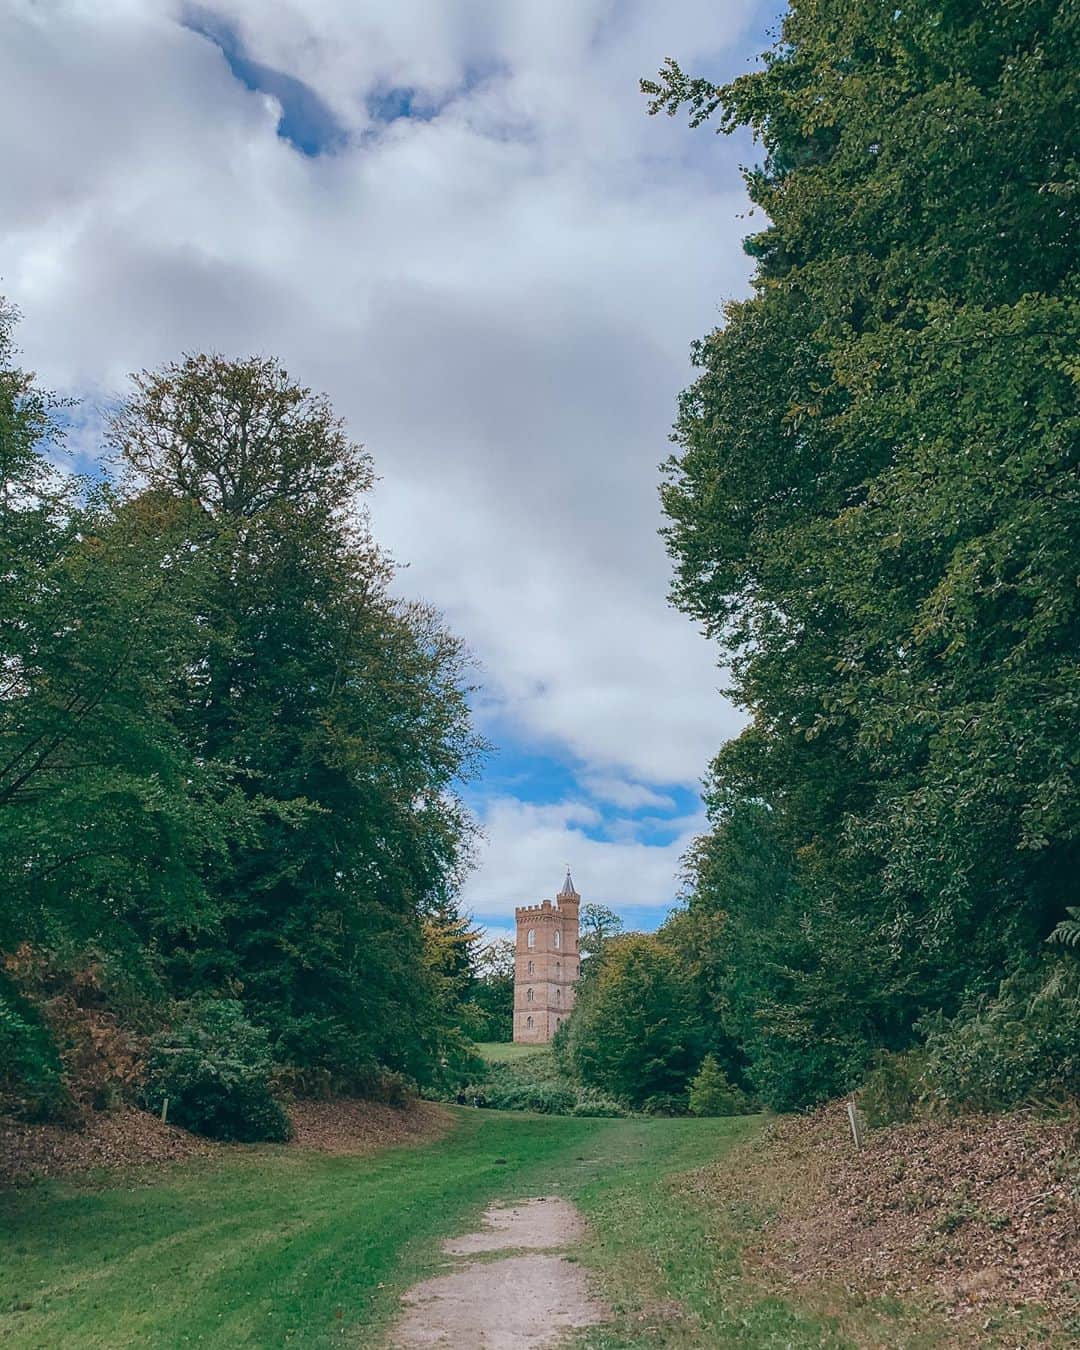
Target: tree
x=339, y=714
x=491, y=993
x=598, y=925
x=873, y=507
x=635, y=1032
x=711, y=1094
x=106, y=818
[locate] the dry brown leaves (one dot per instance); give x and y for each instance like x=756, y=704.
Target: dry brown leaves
x=127, y=1137
x=351, y=1126
x=976, y=1212
x=120, y=1138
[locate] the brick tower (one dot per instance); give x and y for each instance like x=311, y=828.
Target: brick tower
x=546, y=968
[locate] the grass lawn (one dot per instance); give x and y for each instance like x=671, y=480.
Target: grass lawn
x=277, y=1247
x=503, y=1052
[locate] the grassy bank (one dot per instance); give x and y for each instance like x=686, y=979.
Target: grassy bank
x=527, y=1078
x=506, y=1052
x=670, y=1263
x=281, y=1247
x=271, y=1247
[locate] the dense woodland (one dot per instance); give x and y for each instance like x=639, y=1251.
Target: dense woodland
x=229, y=828
x=228, y=758
x=873, y=507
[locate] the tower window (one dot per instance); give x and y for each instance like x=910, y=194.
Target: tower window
x=531, y=939
x=529, y=996
x=528, y=1023
x=531, y=968
x=558, y=970
x=558, y=938
x=558, y=995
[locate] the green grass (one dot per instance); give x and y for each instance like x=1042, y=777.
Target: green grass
x=505, y=1052
x=670, y=1264
x=273, y=1246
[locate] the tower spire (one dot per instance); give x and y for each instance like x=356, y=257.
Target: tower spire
x=568, y=892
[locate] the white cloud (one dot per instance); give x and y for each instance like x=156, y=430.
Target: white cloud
x=500, y=299
x=624, y=793
x=527, y=847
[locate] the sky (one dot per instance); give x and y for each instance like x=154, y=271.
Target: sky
x=456, y=219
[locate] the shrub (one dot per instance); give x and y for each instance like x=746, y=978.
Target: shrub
x=636, y=1031
x=533, y=1084
x=373, y=1083
x=591, y=1103
x=215, y=1069
x=712, y=1095
x=32, y=1081
x=1022, y=1046
x=542, y=1097
x=894, y=1089
x=666, y=1104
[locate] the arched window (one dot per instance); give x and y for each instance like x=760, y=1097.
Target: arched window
x=558, y=994
x=558, y=970
x=531, y=968
x=558, y=938
x=528, y=1023
x=529, y=995
x=531, y=939
x=558, y=1023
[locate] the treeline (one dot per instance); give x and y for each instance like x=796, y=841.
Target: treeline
x=874, y=509
x=228, y=757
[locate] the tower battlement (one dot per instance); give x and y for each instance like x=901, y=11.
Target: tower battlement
x=546, y=965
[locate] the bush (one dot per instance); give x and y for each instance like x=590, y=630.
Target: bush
x=215, y=1069
x=712, y=1095
x=533, y=1084
x=1022, y=1046
x=590, y=1103
x=32, y=1083
x=373, y=1084
x=666, y=1104
x=636, y=1032
x=542, y=1097
x=894, y=1089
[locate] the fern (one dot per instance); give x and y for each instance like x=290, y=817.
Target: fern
x=1067, y=933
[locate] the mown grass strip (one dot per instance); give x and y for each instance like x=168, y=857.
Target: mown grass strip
x=270, y=1247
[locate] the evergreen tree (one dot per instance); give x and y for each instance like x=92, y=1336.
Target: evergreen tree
x=711, y=1094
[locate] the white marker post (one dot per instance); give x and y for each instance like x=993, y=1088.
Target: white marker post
x=853, y=1117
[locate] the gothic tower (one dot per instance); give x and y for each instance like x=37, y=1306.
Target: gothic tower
x=546, y=968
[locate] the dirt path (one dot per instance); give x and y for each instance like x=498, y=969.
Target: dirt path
x=531, y=1297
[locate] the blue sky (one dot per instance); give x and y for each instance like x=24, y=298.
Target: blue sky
x=458, y=221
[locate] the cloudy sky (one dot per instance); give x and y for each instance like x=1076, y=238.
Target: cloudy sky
x=455, y=217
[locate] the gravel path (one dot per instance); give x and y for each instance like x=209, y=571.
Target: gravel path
x=533, y=1297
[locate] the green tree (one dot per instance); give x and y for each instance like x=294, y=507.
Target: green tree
x=711, y=1094
x=106, y=818
x=598, y=925
x=874, y=509
x=635, y=1032
x=339, y=714
x=491, y=993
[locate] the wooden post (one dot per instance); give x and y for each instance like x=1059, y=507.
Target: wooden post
x=164, y=1111
x=853, y=1118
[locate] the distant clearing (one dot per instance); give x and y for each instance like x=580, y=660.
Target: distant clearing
x=502, y=1052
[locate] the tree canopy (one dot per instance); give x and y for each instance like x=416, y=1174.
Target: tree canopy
x=229, y=757
x=873, y=507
